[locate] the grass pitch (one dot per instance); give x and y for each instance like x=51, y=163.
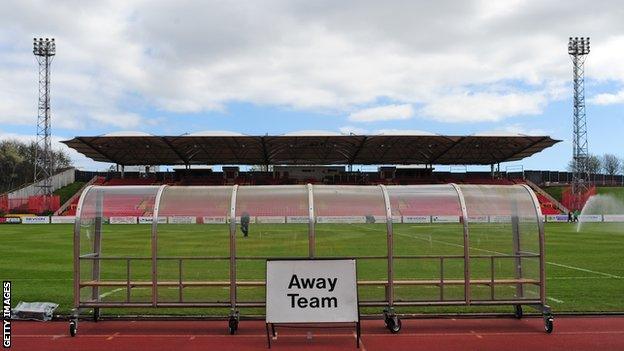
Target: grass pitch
x=584, y=269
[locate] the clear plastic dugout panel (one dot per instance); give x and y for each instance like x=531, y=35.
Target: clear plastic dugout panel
x=504, y=242
x=114, y=260
x=193, y=247
x=428, y=243
x=271, y=222
x=351, y=222
x=177, y=246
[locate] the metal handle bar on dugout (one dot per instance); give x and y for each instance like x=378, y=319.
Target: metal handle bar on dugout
x=233, y=257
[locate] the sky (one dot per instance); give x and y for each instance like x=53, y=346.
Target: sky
x=273, y=67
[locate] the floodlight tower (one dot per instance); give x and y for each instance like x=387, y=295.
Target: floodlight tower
x=44, y=50
x=578, y=49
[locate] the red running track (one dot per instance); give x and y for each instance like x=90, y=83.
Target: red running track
x=571, y=333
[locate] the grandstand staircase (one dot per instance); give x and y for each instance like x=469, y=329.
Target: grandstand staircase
x=547, y=196
x=74, y=199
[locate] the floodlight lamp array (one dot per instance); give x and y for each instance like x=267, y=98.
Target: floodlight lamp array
x=44, y=47
x=578, y=46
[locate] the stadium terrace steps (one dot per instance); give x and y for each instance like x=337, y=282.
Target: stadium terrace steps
x=548, y=204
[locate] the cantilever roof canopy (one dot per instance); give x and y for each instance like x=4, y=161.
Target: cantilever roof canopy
x=309, y=148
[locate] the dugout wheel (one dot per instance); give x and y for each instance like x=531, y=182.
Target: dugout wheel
x=393, y=323
x=73, y=328
x=548, y=323
x=518, y=311
x=232, y=325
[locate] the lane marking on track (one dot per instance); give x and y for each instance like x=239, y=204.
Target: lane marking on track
x=402, y=334
x=361, y=342
x=476, y=334
x=501, y=253
x=112, y=336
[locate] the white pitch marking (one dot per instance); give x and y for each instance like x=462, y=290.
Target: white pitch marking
x=500, y=253
x=111, y=292
x=585, y=270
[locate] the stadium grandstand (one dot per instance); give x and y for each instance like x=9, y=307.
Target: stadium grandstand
x=223, y=158
x=301, y=158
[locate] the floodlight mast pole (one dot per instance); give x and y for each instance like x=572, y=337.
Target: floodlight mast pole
x=44, y=50
x=578, y=49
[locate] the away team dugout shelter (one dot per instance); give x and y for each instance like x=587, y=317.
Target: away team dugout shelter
x=419, y=245
x=312, y=148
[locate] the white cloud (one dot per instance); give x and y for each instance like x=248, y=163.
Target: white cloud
x=383, y=113
x=516, y=128
x=608, y=98
x=353, y=130
x=116, y=57
x=484, y=106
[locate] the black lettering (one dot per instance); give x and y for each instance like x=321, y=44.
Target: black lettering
x=329, y=302
x=332, y=284
x=294, y=281
x=302, y=302
x=307, y=283
x=314, y=302
x=292, y=299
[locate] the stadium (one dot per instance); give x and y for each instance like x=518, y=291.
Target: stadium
x=313, y=239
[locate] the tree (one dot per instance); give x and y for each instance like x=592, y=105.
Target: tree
x=611, y=164
x=592, y=164
x=17, y=163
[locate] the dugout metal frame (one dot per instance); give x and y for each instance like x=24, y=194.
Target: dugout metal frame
x=391, y=318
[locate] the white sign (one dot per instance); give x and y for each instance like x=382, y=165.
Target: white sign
x=214, y=220
x=501, y=219
x=311, y=291
x=35, y=220
x=252, y=219
x=62, y=219
x=382, y=219
x=613, y=218
x=556, y=218
x=270, y=219
x=297, y=219
x=416, y=219
x=477, y=219
x=445, y=219
x=590, y=218
x=341, y=219
x=182, y=220
x=123, y=220
x=150, y=219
